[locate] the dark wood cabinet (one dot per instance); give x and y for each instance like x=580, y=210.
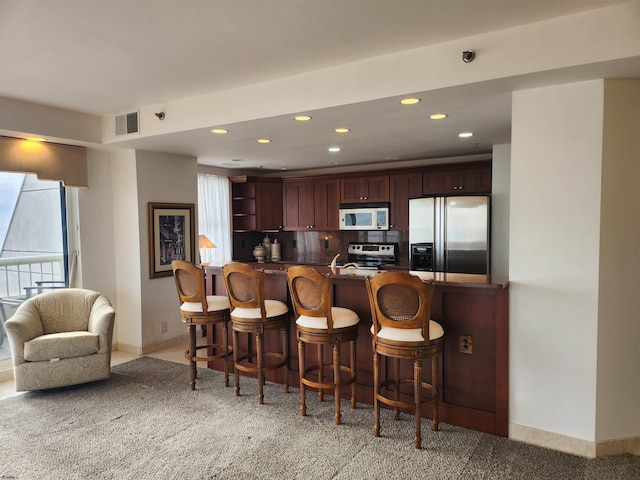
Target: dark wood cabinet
x=269, y=205
x=459, y=179
x=256, y=203
x=326, y=204
x=368, y=189
x=311, y=204
x=402, y=187
x=298, y=205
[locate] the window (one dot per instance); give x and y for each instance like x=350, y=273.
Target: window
x=214, y=218
x=33, y=241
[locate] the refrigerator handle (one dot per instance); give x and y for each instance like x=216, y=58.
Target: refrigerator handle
x=440, y=260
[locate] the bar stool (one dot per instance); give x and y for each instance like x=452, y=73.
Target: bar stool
x=197, y=308
x=322, y=324
x=252, y=314
x=402, y=330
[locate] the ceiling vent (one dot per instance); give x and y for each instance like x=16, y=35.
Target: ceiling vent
x=127, y=123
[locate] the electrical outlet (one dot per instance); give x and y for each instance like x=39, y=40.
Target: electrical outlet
x=164, y=327
x=466, y=344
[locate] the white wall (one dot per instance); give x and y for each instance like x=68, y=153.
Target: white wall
x=501, y=180
x=161, y=178
x=95, y=216
x=127, y=258
x=618, y=368
x=554, y=247
x=114, y=237
x=109, y=254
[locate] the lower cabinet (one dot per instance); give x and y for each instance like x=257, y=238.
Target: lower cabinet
x=474, y=374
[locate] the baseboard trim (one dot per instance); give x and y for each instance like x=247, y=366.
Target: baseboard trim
x=6, y=374
x=618, y=446
x=572, y=445
x=152, y=347
x=553, y=441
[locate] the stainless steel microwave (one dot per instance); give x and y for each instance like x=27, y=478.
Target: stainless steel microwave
x=364, y=216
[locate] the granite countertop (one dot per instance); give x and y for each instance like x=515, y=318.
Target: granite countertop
x=440, y=278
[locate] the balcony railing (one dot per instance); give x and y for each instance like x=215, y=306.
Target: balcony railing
x=18, y=275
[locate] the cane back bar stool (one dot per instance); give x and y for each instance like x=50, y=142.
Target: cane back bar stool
x=402, y=330
x=252, y=314
x=322, y=324
x=197, y=308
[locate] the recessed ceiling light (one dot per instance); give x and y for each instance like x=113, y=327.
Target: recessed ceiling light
x=35, y=139
x=438, y=116
x=263, y=140
x=302, y=118
x=342, y=130
x=465, y=134
x=334, y=163
x=409, y=101
x=334, y=149
x=220, y=130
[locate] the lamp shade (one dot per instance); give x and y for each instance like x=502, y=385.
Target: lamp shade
x=205, y=242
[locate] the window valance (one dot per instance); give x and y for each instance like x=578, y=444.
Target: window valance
x=50, y=161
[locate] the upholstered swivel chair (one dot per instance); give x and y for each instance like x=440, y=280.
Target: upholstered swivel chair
x=198, y=308
x=253, y=314
x=321, y=324
x=61, y=338
x=402, y=330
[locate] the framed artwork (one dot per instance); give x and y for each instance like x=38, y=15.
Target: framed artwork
x=171, y=236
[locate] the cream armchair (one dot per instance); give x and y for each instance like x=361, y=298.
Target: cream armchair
x=61, y=338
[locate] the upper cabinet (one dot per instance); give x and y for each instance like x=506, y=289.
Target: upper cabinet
x=311, y=204
x=402, y=187
x=364, y=189
x=256, y=203
x=460, y=179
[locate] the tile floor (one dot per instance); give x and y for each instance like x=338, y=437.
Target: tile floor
x=173, y=354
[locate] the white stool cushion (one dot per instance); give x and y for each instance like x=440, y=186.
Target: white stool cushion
x=214, y=303
x=410, y=334
x=274, y=308
x=342, y=317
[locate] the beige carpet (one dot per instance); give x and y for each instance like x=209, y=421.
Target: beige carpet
x=144, y=423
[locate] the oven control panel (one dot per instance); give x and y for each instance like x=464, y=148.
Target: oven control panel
x=372, y=249
x=372, y=254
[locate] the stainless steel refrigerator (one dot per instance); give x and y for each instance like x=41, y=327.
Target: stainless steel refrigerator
x=450, y=234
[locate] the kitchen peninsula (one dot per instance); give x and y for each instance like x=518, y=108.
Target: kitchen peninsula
x=473, y=310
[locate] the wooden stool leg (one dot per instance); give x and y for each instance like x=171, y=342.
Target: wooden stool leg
x=260, y=354
x=320, y=372
x=336, y=381
x=435, y=392
x=352, y=363
x=225, y=345
x=417, y=395
x=301, y=367
x=376, y=391
x=396, y=378
x=236, y=356
x=192, y=353
x=285, y=352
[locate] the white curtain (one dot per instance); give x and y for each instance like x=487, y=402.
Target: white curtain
x=214, y=218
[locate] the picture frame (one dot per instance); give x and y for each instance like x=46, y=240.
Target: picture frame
x=171, y=236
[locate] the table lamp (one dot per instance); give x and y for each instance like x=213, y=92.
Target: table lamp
x=204, y=242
